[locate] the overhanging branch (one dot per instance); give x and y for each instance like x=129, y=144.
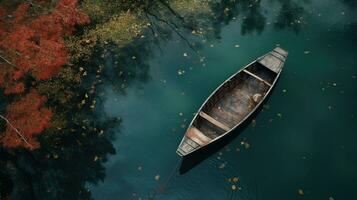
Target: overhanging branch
x=16, y=130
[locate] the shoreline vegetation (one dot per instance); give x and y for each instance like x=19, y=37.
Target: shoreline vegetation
x=53, y=68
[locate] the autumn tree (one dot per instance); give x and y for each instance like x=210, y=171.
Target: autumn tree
x=27, y=118
x=33, y=46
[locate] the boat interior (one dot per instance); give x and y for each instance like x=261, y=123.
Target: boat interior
x=232, y=102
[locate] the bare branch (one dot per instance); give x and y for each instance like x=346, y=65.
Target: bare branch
x=16, y=130
x=172, y=11
x=8, y=62
x=175, y=29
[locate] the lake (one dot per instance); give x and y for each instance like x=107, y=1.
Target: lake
x=301, y=145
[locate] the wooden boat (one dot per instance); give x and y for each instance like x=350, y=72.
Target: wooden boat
x=233, y=101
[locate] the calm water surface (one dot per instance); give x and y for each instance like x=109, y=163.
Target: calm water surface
x=304, y=138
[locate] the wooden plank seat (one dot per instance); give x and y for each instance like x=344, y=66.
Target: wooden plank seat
x=214, y=121
x=197, y=136
x=257, y=77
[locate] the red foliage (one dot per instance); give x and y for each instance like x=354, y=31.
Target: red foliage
x=36, y=45
x=29, y=117
x=33, y=46
x=2, y=12
x=15, y=89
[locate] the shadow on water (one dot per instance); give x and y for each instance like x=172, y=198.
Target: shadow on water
x=192, y=160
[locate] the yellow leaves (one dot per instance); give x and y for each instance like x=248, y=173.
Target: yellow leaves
x=94, y=10
x=96, y=158
x=181, y=72
x=157, y=177
x=235, y=179
x=301, y=192
x=234, y=187
x=119, y=29
x=187, y=7
x=222, y=166
x=245, y=144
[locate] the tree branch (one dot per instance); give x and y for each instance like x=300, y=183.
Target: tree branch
x=7, y=61
x=16, y=130
x=167, y=5
x=175, y=29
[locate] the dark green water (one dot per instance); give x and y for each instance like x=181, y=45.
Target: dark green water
x=304, y=138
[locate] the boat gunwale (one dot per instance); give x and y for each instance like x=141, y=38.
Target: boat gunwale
x=246, y=117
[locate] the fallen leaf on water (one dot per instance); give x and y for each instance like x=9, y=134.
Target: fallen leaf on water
x=180, y=72
x=235, y=179
x=96, y=158
x=157, y=177
x=246, y=145
x=234, y=187
x=301, y=192
x=221, y=166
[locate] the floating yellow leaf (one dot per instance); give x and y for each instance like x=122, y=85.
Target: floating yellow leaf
x=301, y=192
x=235, y=179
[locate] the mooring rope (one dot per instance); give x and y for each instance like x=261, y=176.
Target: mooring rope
x=159, y=189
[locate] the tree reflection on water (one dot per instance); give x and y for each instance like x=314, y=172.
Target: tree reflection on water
x=72, y=157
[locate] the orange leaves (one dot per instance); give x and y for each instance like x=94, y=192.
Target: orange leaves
x=20, y=13
x=35, y=46
x=2, y=12
x=49, y=57
x=29, y=117
x=15, y=89
x=70, y=15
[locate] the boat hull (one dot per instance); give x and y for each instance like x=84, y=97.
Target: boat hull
x=233, y=101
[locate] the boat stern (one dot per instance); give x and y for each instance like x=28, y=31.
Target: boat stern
x=187, y=146
x=193, y=140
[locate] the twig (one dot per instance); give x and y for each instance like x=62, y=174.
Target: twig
x=172, y=11
x=174, y=27
x=16, y=130
x=6, y=60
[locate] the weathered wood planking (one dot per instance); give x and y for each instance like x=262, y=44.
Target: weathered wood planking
x=233, y=101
